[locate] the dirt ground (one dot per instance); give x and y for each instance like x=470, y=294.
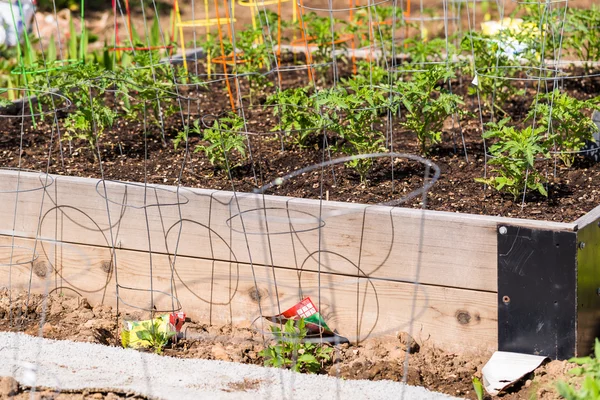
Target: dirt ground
x=73, y=318
x=11, y=389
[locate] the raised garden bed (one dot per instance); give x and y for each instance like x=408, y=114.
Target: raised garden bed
x=484, y=282
x=469, y=283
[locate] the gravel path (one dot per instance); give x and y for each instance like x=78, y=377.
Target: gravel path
x=71, y=365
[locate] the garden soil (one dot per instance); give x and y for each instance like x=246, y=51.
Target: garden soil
x=129, y=153
x=375, y=359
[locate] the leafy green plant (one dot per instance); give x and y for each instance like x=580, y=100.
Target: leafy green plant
x=223, y=139
x=426, y=51
x=85, y=85
x=582, y=33
x=427, y=104
x=156, y=338
x=296, y=113
x=493, y=66
x=513, y=157
x=321, y=34
x=354, y=113
x=289, y=350
x=183, y=135
x=374, y=26
x=589, y=368
x=254, y=57
x=565, y=118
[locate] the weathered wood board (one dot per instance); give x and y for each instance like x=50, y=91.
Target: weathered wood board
x=223, y=292
x=356, y=240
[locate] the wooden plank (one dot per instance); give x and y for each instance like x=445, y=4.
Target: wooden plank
x=588, y=218
x=392, y=243
x=222, y=292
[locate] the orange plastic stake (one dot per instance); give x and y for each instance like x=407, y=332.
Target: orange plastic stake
x=406, y=15
x=308, y=52
x=231, y=35
x=353, y=45
x=128, y=11
x=223, y=55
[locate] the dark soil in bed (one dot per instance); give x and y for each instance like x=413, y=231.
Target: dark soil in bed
x=129, y=155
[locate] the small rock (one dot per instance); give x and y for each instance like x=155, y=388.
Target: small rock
x=47, y=329
x=71, y=304
x=89, y=324
x=86, y=315
x=111, y=396
x=408, y=343
x=71, y=318
x=8, y=386
x=219, y=353
x=528, y=383
x=104, y=324
x=334, y=370
x=397, y=355
x=56, y=308
x=84, y=304
x=245, y=335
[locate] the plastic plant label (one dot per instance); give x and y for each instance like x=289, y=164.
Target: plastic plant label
x=306, y=309
x=167, y=323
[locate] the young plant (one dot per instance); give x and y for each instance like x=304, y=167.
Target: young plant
x=223, y=139
x=354, y=115
x=289, y=350
x=375, y=25
x=254, y=57
x=85, y=85
x=582, y=27
x=589, y=368
x=324, y=32
x=185, y=133
x=295, y=110
x=152, y=334
x=565, y=118
x=427, y=105
x=427, y=51
x=478, y=388
x=513, y=156
x=493, y=66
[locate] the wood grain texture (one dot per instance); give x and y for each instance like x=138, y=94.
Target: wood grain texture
x=223, y=292
x=448, y=249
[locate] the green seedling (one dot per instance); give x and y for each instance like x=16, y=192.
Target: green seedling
x=156, y=338
x=224, y=139
x=290, y=350
x=427, y=105
x=589, y=369
x=564, y=117
x=514, y=158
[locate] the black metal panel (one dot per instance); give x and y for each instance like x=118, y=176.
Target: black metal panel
x=588, y=287
x=537, y=279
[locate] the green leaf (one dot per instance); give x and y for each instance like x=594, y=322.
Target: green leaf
x=478, y=387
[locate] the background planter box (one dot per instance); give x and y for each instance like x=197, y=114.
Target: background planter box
x=483, y=282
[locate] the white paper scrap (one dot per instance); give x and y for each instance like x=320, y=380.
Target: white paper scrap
x=504, y=368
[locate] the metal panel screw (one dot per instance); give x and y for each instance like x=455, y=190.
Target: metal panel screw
x=503, y=230
x=506, y=299
x=581, y=245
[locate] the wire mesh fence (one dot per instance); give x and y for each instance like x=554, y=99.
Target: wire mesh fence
x=228, y=160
